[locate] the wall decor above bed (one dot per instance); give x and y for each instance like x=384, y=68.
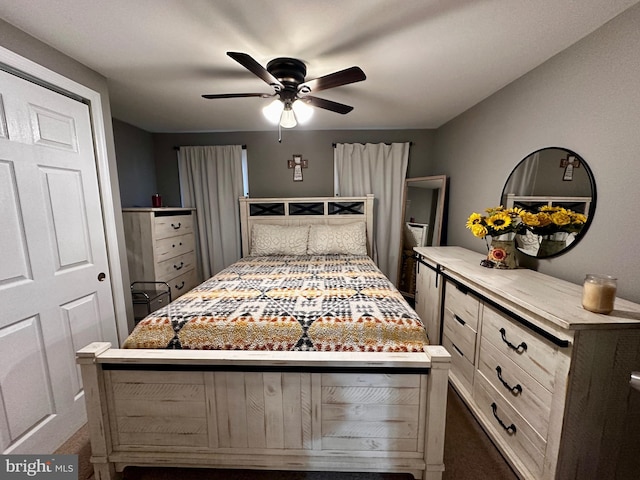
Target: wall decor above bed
x=542, y=185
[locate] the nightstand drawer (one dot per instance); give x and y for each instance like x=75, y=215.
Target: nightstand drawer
x=461, y=368
x=460, y=333
x=520, y=389
x=529, y=351
x=173, y=246
x=516, y=433
x=464, y=305
x=172, y=225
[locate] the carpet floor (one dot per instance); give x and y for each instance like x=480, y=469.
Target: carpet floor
x=468, y=455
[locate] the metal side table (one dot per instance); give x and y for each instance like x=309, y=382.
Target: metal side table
x=148, y=297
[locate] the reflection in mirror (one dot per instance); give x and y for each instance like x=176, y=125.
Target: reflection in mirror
x=556, y=182
x=423, y=214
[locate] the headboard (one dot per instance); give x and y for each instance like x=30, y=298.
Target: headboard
x=305, y=211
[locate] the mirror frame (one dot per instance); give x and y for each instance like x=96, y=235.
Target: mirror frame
x=439, y=182
x=592, y=205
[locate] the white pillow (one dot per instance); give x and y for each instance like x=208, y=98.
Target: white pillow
x=348, y=239
x=279, y=240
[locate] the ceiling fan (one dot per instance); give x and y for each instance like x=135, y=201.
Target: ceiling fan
x=286, y=76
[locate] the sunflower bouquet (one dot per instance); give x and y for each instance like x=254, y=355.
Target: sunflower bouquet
x=550, y=220
x=497, y=221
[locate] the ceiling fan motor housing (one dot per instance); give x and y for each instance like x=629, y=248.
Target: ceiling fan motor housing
x=290, y=72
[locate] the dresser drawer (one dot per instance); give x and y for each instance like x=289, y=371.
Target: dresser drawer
x=172, y=225
x=461, y=368
x=175, y=266
x=460, y=333
x=464, y=305
x=173, y=246
x=183, y=283
x=529, y=351
x=520, y=389
x=526, y=444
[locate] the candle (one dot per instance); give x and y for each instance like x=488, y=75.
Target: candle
x=599, y=293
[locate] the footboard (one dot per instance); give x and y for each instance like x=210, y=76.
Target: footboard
x=368, y=412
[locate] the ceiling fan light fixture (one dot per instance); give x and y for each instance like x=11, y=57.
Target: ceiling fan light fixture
x=288, y=118
x=303, y=111
x=273, y=111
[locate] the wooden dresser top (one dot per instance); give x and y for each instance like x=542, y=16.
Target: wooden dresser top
x=551, y=299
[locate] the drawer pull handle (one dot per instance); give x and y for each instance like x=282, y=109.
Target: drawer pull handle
x=180, y=287
x=178, y=267
x=520, y=348
x=458, y=350
x=459, y=320
x=511, y=429
x=176, y=228
x=517, y=390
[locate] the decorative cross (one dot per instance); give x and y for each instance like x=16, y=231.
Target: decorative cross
x=569, y=164
x=297, y=164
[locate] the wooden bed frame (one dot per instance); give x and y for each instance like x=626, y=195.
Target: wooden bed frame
x=302, y=411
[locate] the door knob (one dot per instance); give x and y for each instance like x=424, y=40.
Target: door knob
x=101, y=276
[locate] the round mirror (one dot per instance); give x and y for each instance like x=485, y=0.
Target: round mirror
x=556, y=189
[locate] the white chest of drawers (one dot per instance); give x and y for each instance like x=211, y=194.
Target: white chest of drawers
x=161, y=247
x=547, y=380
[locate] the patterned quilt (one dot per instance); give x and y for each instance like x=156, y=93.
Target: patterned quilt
x=322, y=302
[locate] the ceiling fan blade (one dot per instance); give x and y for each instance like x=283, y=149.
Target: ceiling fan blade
x=237, y=95
x=327, y=104
x=254, y=67
x=343, y=77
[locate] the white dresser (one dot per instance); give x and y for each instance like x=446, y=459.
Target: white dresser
x=547, y=380
x=161, y=247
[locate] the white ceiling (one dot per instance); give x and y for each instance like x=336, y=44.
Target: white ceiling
x=426, y=61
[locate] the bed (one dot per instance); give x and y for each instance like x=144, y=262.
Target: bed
x=337, y=375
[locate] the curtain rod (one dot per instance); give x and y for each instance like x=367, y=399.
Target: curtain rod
x=386, y=143
x=177, y=147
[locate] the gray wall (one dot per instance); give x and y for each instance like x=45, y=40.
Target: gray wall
x=267, y=159
x=587, y=99
x=136, y=165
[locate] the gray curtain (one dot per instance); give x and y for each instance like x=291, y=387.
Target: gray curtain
x=380, y=169
x=211, y=182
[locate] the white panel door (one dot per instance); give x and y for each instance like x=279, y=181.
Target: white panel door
x=52, y=255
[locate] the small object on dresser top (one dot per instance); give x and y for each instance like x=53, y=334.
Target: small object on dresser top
x=599, y=293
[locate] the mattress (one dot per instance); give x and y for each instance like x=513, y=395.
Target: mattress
x=312, y=302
